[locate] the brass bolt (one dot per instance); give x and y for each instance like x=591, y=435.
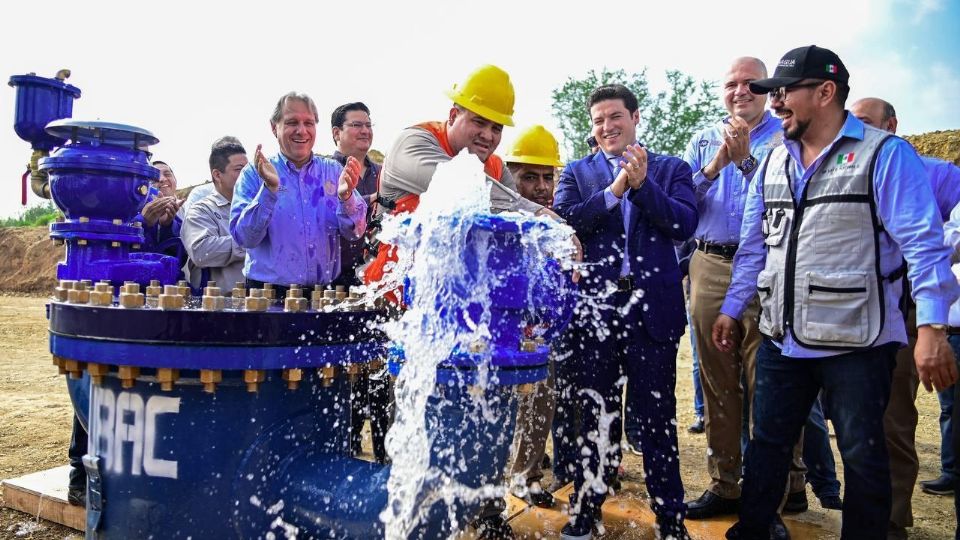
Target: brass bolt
x=58, y=241
x=87, y=283
x=341, y=293
x=352, y=371
x=253, y=378
x=212, y=299
x=477, y=347
x=171, y=298
x=167, y=378
x=79, y=295
x=115, y=244
x=528, y=345
x=143, y=189
x=61, y=292
x=269, y=292
x=293, y=376
x=316, y=300
x=295, y=302
x=61, y=364
x=238, y=294
x=256, y=301
x=183, y=287
x=210, y=378
x=81, y=242
x=101, y=298
x=98, y=372
x=153, y=293
x=74, y=368
x=525, y=389
x=540, y=341
x=118, y=221
x=83, y=219
x=128, y=375
x=135, y=246
x=132, y=300
x=327, y=374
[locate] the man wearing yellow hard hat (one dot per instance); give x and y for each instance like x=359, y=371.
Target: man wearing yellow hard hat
x=533, y=161
x=482, y=105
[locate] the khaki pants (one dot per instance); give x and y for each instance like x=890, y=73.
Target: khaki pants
x=900, y=429
x=534, y=418
x=721, y=373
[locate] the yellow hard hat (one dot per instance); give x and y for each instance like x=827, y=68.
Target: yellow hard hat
x=535, y=146
x=487, y=92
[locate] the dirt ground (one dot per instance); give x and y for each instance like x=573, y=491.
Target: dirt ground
x=35, y=416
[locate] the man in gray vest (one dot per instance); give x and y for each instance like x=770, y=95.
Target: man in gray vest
x=829, y=220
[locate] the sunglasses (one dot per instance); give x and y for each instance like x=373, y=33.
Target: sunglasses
x=781, y=92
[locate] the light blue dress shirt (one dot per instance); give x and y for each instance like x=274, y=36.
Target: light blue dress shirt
x=293, y=236
x=720, y=201
x=914, y=231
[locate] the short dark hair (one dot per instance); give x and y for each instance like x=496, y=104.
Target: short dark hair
x=221, y=151
x=158, y=162
x=339, y=115
x=614, y=91
x=843, y=90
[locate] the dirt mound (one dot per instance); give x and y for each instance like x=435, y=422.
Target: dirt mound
x=939, y=144
x=28, y=263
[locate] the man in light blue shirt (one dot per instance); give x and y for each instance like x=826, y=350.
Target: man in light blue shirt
x=900, y=420
x=290, y=211
x=724, y=158
x=822, y=141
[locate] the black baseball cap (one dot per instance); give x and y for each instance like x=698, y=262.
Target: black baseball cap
x=810, y=62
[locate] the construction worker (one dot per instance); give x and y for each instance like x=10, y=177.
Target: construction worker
x=482, y=105
x=533, y=161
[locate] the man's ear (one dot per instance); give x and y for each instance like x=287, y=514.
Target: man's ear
x=452, y=116
x=336, y=135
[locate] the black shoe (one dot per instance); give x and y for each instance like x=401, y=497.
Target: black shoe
x=778, y=531
x=940, y=486
x=796, y=503
x=545, y=463
x=536, y=495
x=697, y=426
x=77, y=496
x=710, y=504
x=831, y=502
x=583, y=527
x=668, y=528
x=493, y=528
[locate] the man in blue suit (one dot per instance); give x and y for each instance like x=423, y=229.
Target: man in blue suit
x=628, y=206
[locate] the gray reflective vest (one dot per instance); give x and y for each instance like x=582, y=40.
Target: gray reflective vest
x=822, y=279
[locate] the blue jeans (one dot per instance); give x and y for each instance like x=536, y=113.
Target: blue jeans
x=821, y=467
x=946, y=399
x=856, y=389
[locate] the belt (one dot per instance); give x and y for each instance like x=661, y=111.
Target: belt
x=727, y=251
x=625, y=284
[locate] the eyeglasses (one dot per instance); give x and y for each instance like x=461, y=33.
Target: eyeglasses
x=781, y=93
x=358, y=125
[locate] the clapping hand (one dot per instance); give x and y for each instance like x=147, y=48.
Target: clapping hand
x=266, y=170
x=349, y=179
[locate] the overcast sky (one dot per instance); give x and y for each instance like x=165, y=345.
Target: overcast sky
x=191, y=72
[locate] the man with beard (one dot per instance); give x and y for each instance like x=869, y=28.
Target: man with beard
x=828, y=221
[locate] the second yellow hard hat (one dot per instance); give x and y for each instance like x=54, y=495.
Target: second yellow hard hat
x=535, y=146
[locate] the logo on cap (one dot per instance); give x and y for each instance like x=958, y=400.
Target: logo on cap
x=832, y=68
x=787, y=62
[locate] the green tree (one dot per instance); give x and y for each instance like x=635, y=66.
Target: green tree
x=667, y=119
x=34, y=216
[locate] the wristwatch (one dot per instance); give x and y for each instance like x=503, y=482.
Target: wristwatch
x=936, y=326
x=748, y=164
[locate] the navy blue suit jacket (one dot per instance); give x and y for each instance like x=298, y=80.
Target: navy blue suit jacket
x=664, y=210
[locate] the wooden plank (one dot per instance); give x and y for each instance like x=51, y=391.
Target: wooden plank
x=44, y=494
